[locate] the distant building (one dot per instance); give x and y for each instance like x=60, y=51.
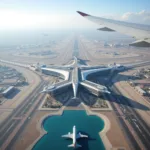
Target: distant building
x=141, y=91
x=146, y=76
x=8, y=91
x=147, y=70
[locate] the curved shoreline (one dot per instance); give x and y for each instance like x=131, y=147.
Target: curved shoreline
x=102, y=133
x=106, y=128
x=40, y=128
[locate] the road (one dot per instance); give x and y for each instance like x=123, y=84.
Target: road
x=134, y=119
x=20, y=114
x=134, y=126
x=11, y=128
x=136, y=130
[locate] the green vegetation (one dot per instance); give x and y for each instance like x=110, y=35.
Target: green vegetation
x=100, y=103
x=51, y=103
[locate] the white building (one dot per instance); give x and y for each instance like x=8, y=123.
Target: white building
x=141, y=91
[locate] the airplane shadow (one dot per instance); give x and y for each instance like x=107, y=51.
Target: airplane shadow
x=84, y=142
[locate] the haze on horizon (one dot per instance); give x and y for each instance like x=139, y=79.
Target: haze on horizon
x=21, y=15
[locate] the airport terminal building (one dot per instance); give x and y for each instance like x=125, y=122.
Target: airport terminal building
x=81, y=78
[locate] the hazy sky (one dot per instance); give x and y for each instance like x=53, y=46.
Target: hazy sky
x=19, y=14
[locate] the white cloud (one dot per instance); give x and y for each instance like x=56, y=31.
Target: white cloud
x=13, y=19
x=139, y=17
x=16, y=19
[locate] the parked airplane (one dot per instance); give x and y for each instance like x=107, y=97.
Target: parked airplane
x=74, y=136
x=139, y=31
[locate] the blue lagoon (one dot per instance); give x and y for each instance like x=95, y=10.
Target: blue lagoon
x=56, y=126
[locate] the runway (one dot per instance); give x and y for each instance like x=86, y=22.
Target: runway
x=134, y=126
x=20, y=114
x=136, y=130
x=134, y=119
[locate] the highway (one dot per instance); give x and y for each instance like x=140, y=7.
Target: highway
x=18, y=116
x=134, y=119
x=121, y=120
x=126, y=128
x=135, y=127
x=12, y=127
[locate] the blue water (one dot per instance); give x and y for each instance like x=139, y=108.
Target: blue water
x=56, y=126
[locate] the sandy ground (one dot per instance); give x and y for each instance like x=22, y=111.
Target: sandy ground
x=132, y=94
x=8, y=106
x=63, y=51
x=89, y=51
x=94, y=53
x=116, y=135
x=111, y=128
x=28, y=137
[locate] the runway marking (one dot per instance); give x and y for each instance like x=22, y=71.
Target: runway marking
x=2, y=110
x=129, y=126
x=9, y=128
x=11, y=136
x=17, y=118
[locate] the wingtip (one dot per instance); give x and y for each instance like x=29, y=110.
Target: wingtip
x=82, y=13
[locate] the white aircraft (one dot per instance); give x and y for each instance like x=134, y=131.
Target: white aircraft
x=74, y=136
x=138, y=31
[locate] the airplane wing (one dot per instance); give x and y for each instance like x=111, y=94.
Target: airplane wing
x=69, y=135
x=139, y=31
x=79, y=135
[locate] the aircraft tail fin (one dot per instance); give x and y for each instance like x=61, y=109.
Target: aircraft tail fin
x=74, y=145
